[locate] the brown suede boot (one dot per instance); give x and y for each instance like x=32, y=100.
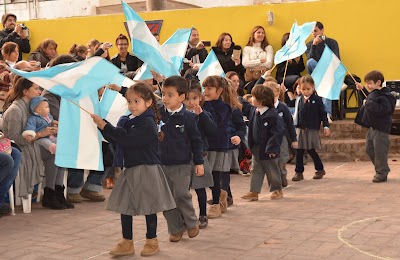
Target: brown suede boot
x=277, y=194
x=124, y=247
x=252, y=196
x=150, y=248
x=223, y=201
x=214, y=211
x=176, y=237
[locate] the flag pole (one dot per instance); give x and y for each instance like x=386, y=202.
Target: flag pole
x=355, y=81
x=284, y=74
x=80, y=107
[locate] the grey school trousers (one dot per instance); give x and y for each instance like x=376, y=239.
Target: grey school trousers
x=183, y=216
x=265, y=167
x=377, y=148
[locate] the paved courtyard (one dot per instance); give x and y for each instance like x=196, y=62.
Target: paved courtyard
x=342, y=216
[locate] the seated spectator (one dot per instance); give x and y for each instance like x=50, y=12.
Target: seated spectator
x=79, y=52
x=92, y=46
x=10, y=52
x=224, y=51
x=9, y=165
x=46, y=51
x=36, y=161
x=258, y=56
x=124, y=60
x=234, y=77
x=195, y=55
x=14, y=33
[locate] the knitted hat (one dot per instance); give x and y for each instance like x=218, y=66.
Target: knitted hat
x=35, y=102
x=5, y=17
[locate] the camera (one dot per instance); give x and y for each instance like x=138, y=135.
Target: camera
x=23, y=26
x=322, y=37
x=207, y=43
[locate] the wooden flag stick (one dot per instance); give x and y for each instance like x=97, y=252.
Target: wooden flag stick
x=355, y=81
x=76, y=104
x=284, y=74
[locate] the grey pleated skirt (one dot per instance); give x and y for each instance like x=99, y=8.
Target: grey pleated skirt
x=234, y=158
x=284, y=155
x=219, y=161
x=141, y=190
x=205, y=181
x=308, y=139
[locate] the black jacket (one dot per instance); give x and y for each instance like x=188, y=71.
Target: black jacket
x=190, y=52
x=271, y=132
x=293, y=68
x=132, y=62
x=137, y=138
x=315, y=51
x=11, y=36
x=378, y=110
x=236, y=126
x=227, y=64
x=39, y=56
x=311, y=113
x=182, y=138
x=284, y=112
x=221, y=113
x=207, y=128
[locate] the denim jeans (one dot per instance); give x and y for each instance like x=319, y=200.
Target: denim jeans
x=311, y=64
x=93, y=182
x=9, y=166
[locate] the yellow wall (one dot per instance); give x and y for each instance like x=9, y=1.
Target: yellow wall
x=367, y=30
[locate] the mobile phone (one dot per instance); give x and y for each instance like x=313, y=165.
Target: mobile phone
x=207, y=43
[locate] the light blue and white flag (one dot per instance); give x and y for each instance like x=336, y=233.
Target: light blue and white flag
x=143, y=73
x=176, y=45
x=112, y=106
x=78, y=139
x=145, y=46
x=295, y=46
x=76, y=80
x=210, y=67
x=329, y=75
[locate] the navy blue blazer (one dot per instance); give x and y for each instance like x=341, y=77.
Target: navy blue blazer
x=137, y=138
x=284, y=112
x=182, y=139
x=207, y=127
x=221, y=113
x=311, y=113
x=271, y=131
x=236, y=126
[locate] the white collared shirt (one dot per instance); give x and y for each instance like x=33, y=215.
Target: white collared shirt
x=175, y=111
x=276, y=103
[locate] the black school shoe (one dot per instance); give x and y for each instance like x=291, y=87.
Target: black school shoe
x=203, y=222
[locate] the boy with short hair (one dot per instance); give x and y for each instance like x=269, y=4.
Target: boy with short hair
x=180, y=144
x=377, y=114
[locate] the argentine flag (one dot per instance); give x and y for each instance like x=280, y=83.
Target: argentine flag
x=78, y=139
x=175, y=47
x=295, y=46
x=210, y=67
x=145, y=46
x=112, y=106
x=329, y=75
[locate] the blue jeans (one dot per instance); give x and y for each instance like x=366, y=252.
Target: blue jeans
x=93, y=182
x=9, y=166
x=327, y=105
x=311, y=64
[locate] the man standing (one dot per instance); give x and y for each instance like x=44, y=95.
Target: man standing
x=14, y=33
x=314, y=51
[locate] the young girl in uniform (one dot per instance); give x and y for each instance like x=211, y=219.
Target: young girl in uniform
x=309, y=113
x=207, y=128
x=142, y=188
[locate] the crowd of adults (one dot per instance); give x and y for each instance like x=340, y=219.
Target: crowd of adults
x=32, y=162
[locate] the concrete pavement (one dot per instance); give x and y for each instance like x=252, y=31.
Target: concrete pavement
x=342, y=216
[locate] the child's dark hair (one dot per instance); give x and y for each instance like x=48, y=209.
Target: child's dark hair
x=178, y=82
x=194, y=86
x=228, y=95
x=264, y=95
x=306, y=79
x=374, y=75
x=145, y=91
